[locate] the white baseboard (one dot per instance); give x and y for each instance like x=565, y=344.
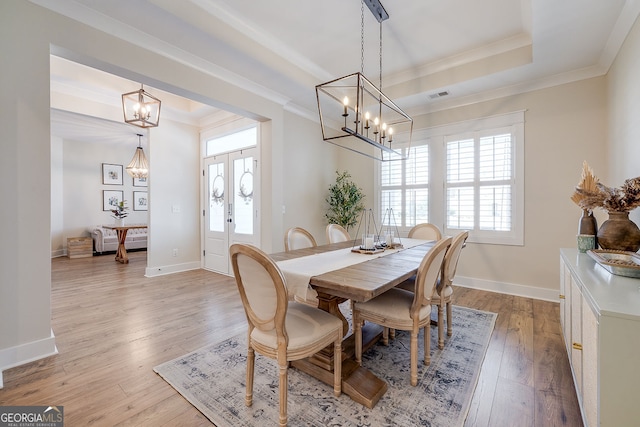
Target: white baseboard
x=509, y=288
x=169, y=269
x=58, y=253
x=25, y=353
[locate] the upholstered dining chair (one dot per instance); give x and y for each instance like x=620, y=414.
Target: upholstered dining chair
x=400, y=309
x=444, y=290
x=425, y=231
x=336, y=233
x=298, y=238
x=279, y=329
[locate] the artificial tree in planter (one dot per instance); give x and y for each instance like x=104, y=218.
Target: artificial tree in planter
x=345, y=201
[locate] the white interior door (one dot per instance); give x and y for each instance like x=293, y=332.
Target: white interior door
x=231, y=214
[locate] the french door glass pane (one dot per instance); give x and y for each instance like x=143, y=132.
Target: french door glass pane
x=216, y=197
x=243, y=195
x=232, y=142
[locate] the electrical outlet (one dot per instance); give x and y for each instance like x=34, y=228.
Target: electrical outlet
x=175, y=252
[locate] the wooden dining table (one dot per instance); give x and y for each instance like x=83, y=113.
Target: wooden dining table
x=362, y=281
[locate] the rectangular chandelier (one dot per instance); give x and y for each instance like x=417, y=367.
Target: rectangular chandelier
x=141, y=108
x=356, y=115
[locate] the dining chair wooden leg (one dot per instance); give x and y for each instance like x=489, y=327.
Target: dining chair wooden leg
x=337, y=367
x=392, y=333
x=427, y=344
x=357, y=332
x=385, y=336
x=440, y=326
x=449, y=328
x=251, y=356
x=283, y=393
x=414, y=357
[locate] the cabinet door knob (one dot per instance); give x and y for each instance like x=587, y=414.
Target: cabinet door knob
x=577, y=346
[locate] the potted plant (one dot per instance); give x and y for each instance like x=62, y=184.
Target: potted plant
x=345, y=201
x=120, y=213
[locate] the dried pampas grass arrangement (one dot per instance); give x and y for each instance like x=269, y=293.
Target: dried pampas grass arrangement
x=590, y=193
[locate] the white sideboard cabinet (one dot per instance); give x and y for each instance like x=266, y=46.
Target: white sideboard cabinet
x=600, y=319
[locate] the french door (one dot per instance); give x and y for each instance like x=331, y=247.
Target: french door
x=231, y=206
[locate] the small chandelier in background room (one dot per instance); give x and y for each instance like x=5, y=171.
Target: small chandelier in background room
x=138, y=167
x=356, y=115
x=141, y=109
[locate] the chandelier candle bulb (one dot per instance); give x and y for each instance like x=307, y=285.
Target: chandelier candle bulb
x=366, y=120
x=390, y=135
x=345, y=102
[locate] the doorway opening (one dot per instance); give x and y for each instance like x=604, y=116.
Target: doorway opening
x=230, y=195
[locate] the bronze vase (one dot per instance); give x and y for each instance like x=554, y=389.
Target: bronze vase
x=588, y=224
x=619, y=233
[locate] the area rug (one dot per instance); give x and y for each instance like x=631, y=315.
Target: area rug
x=213, y=380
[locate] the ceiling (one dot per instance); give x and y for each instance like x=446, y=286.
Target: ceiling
x=472, y=50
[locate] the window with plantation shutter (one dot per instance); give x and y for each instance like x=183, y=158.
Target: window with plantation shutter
x=404, y=191
x=479, y=182
x=465, y=176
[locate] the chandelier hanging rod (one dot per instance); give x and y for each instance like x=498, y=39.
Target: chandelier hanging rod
x=377, y=9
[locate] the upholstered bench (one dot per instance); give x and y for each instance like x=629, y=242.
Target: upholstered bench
x=106, y=239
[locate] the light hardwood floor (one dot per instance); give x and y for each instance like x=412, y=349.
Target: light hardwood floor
x=113, y=325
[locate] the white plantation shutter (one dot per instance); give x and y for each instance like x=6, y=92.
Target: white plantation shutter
x=405, y=189
x=480, y=184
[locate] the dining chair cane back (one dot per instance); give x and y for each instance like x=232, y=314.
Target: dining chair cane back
x=425, y=231
x=403, y=310
x=279, y=329
x=336, y=233
x=298, y=238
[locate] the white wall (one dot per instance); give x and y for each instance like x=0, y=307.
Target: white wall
x=624, y=110
x=308, y=173
x=174, y=202
x=25, y=173
x=58, y=242
x=564, y=126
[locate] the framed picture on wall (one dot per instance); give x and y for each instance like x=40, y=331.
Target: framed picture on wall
x=139, y=182
x=111, y=199
x=140, y=201
x=111, y=174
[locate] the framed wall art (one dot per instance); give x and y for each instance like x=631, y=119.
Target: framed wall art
x=111, y=174
x=140, y=201
x=111, y=199
x=140, y=182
